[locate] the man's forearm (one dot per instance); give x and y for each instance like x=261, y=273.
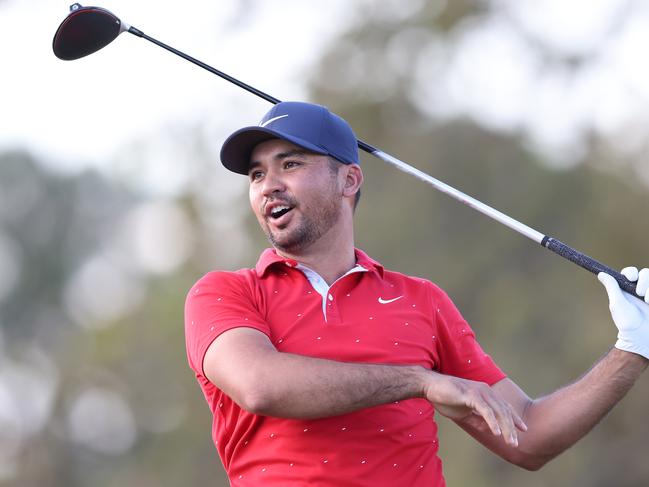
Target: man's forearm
x=557, y=421
x=246, y=366
x=296, y=386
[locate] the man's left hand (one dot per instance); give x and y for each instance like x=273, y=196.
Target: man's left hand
x=630, y=314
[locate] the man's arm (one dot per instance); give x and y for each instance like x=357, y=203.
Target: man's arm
x=557, y=421
x=245, y=365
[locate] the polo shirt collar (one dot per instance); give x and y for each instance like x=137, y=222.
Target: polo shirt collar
x=269, y=258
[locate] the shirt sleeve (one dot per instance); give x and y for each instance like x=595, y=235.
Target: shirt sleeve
x=458, y=349
x=218, y=302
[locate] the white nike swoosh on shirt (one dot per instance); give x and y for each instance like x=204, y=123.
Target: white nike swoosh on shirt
x=271, y=120
x=388, y=301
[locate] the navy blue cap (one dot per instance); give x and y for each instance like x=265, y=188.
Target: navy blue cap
x=312, y=127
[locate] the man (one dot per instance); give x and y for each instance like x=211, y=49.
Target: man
x=323, y=368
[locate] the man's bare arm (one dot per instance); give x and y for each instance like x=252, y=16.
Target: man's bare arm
x=245, y=365
x=560, y=419
x=557, y=421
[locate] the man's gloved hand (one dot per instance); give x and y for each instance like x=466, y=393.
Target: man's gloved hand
x=630, y=314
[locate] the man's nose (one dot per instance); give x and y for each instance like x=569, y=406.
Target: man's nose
x=273, y=183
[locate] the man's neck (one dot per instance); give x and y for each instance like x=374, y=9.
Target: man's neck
x=329, y=261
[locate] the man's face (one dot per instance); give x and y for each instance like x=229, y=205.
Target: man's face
x=295, y=194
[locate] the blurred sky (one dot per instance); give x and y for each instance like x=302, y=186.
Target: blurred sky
x=77, y=113
x=80, y=113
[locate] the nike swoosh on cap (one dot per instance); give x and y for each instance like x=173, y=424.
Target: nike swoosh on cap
x=388, y=301
x=271, y=120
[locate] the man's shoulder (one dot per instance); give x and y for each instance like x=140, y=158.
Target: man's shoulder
x=391, y=275
x=223, y=278
x=394, y=278
x=414, y=282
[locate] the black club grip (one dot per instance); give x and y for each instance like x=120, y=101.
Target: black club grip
x=588, y=263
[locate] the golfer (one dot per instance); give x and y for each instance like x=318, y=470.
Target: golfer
x=323, y=368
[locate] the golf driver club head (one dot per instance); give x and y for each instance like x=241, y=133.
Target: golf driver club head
x=85, y=30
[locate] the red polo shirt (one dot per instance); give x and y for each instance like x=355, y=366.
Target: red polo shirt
x=370, y=316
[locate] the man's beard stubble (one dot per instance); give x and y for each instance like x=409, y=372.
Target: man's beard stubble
x=309, y=230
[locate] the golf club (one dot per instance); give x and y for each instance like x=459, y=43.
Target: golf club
x=88, y=29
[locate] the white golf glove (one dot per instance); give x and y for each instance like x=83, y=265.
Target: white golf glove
x=630, y=314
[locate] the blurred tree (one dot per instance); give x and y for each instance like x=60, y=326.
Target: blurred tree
x=118, y=404
x=56, y=223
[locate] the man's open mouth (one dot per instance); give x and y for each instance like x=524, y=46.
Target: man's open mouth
x=279, y=211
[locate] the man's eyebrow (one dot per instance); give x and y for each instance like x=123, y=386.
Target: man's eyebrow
x=291, y=153
x=281, y=155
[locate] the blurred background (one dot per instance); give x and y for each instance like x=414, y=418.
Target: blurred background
x=113, y=202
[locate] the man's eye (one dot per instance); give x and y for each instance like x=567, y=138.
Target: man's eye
x=290, y=164
x=254, y=175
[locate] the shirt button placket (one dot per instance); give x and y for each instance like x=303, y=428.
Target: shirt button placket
x=332, y=310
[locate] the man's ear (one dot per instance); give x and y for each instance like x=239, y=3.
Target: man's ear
x=353, y=179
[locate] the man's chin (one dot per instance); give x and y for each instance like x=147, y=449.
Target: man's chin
x=289, y=242
x=285, y=245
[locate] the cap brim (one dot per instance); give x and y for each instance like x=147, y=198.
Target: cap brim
x=237, y=149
